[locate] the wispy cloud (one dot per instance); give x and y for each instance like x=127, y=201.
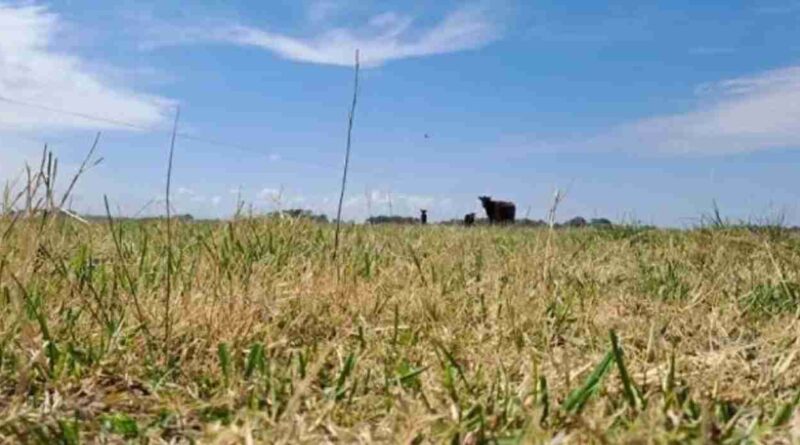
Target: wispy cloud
x=786, y=7
x=187, y=196
x=358, y=207
x=380, y=202
x=279, y=198
x=321, y=11
x=710, y=50
x=743, y=114
x=382, y=38
x=33, y=71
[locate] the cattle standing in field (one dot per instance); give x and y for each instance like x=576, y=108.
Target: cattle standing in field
x=469, y=219
x=498, y=211
x=423, y=216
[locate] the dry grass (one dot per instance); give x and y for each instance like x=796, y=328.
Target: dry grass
x=416, y=335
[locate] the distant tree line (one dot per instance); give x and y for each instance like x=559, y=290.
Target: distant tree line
x=577, y=221
x=383, y=219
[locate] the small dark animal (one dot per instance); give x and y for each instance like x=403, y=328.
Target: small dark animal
x=423, y=216
x=498, y=211
x=469, y=219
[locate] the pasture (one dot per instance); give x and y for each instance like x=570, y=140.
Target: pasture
x=412, y=335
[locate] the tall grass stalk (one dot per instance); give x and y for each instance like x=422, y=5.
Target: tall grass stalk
x=168, y=284
x=350, y=118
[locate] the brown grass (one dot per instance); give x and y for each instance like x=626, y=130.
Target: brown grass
x=424, y=335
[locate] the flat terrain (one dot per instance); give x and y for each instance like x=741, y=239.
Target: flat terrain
x=413, y=335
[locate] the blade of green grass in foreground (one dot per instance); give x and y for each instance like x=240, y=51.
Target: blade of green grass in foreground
x=630, y=390
x=224, y=355
x=578, y=398
x=347, y=369
x=785, y=413
x=255, y=360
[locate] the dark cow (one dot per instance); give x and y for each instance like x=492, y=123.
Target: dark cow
x=423, y=216
x=498, y=211
x=469, y=219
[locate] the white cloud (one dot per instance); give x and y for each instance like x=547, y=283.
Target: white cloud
x=711, y=50
x=379, y=202
x=384, y=37
x=279, y=198
x=779, y=9
x=736, y=115
x=269, y=194
x=188, y=200
x=268, y=199
x=322, y=10
x=33, y=71
x=187, y=195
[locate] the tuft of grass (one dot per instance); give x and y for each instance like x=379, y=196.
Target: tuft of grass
x=120, y=424
x=769, y=300
x=664, y=280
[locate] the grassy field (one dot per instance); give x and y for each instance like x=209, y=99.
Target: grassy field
x=414, y=335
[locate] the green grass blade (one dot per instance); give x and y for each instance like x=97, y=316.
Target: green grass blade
x=224, y=355
x=628, y=387
x=577, y=399
x=255, y=360
x=347, y=369
x=785, y=412
x=544, y=400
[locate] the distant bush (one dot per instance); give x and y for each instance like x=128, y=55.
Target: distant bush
x=186, y=217
x=578, y=221
x=531, y=222
x=383, y=219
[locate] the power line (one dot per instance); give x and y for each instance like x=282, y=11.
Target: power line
x=118, y=122
x=75, y=114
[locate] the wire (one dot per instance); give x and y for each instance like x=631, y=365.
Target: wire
x=244, y=148
x=75, y=113
x=118, y=122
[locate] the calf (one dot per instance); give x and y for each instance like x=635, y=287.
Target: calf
x=469, y=219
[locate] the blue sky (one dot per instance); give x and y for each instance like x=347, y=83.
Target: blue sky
x=640, y=110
